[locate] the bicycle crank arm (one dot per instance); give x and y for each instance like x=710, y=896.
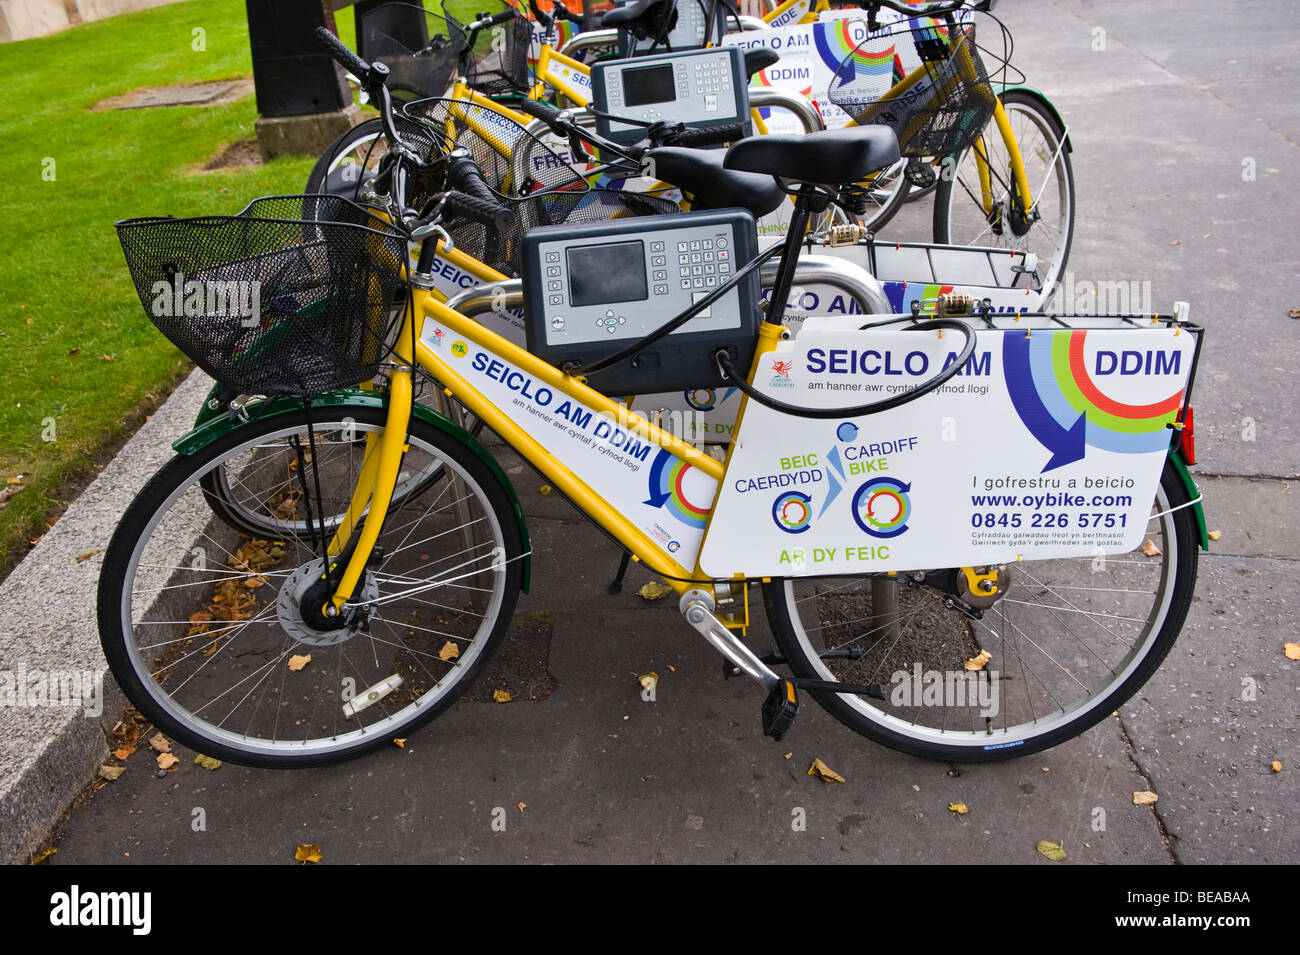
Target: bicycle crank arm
x=697, y=607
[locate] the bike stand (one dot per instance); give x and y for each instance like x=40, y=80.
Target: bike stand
x=616, y=586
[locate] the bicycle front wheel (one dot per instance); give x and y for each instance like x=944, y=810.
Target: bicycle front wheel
x=1061, y=644
x=1045, y=229
x=204, y=625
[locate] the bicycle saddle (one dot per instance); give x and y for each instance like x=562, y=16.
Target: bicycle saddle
x=700, y=172
x=831, y=157
x=759, y=59
x=642, y=17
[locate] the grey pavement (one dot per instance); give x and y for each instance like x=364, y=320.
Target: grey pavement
x=1163, y=121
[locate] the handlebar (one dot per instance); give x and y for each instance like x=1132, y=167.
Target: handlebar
x=488, y=213
x=715, y=136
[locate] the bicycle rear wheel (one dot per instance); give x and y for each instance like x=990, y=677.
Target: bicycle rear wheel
x=204, y=628
x=960, y=217
x=1068, y=641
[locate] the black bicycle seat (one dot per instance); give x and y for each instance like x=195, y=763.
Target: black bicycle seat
x=642, y=17
x=701, y=173
x=759, y=58
x=831, y=157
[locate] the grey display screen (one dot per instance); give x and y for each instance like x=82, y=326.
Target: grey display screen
x=601, y=274
x=650, y=84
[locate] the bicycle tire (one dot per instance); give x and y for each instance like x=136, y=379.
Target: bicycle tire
x=810, y=617
x=151, y=589
x=958, y=217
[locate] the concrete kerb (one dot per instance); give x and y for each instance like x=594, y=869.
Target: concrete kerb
x=48, y=753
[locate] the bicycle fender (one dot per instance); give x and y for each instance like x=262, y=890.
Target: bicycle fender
x=1193, y=492
x=1047, y=103
x=220, y=425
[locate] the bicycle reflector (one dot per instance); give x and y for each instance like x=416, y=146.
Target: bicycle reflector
x=1188, y=438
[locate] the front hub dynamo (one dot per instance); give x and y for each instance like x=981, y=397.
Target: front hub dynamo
x=298, y=607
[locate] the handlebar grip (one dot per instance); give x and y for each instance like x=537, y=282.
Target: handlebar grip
x=505, y=16
x=540, y=16
x=342, y=55
x=464, y=175
x=714, y=136
x=539, y=110
x=491, y=214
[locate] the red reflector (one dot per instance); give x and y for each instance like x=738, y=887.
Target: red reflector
x=1188, y=421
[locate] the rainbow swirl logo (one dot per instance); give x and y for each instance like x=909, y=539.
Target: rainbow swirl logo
x=667, y=474
x=1064, y=409
x=882, y=507
x=792, y=512
x=871, y=59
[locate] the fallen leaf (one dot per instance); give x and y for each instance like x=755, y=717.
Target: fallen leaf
x=82, y=558
x=207, y=762
x=159, y=743
x=500, y=696
x=654, y=590
x=788, y=755
x=449, y=651
x=167, y=760
x=308, y=852
x=1292, y=651
x=298, y=661
x=1144, y=798
x=958, y=807
x=1150, y=549
x=649, y=680
x=108, y=358
x=544, y=490
x=1294, y=313
x=1175, y=242
x=1051, y=850
x=111, y=772
x=399, y=742
x=15, y=480
x=1276, y=766
x=44, y=854
x=977, y=662
x=1214, y=535
x=523, y=806
x=824, y=772
x=122, y=752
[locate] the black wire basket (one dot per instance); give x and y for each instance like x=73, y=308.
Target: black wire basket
x=496, y=62
x=501, y=248
x=943, y=112
x=422, y=50
x=295, y=295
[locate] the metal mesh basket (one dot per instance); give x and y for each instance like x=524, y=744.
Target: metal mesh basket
x=513, y=161
x=501, y=249
x=292, y=296
x=497, y=61
x=422, y=50
x=943, y=112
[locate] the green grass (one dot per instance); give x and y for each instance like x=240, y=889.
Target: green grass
x=75, y=344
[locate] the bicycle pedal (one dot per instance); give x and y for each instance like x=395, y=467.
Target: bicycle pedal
x=779, y=709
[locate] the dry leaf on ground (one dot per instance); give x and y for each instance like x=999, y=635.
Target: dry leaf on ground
x=654, y=590
x=523, y=806
x=958, y=807
x=1144, y=798
x=399, y=742
x=544, y=490
x=449, y=651
x=308, y=852
x=1051, y=850
x=1214, y=535
x=298, y=661
x=1276, y=766
x=1150, y=549
x=159, y=744
x=207, y=762
x=824, y=772
x=1294, y=313
x=1292, y=651
x=500, y=696
x=122, y=752
x=977, y=662
x=111, y=772
x=649, y=680
x=167, y=760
